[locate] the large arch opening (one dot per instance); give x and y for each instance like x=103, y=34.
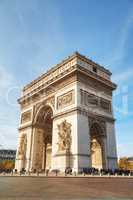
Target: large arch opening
x=44, y=126
x=97, y=146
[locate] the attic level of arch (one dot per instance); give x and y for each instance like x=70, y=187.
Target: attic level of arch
x=67, y=63
x=75, y=64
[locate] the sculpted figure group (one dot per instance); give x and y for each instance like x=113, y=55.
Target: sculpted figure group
x=64, y=134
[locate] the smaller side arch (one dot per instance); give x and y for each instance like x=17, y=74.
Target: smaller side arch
x=97, y=145
x=98, y=127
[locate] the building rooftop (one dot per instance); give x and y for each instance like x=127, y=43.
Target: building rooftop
x=130, y=158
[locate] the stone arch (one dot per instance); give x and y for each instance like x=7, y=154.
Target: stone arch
x=97, y=145
x=43, y=124
x=39, y=108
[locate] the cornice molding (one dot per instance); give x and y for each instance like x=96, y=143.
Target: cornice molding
x=70, y=154
x=112, y=157
x=47, y=84
x=85, y=112
x=65, y=61
x=77, y=69
x=97, y=77
x=62, y=69
x=79, y=110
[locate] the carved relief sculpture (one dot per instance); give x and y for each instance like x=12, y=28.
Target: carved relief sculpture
x=51, y=101
x=64, y=136
x=92, y=100
x=26, y=116
x=22, y=146
x=65, y=99
x=94, y=144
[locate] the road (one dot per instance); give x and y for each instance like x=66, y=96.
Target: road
x=49, y=188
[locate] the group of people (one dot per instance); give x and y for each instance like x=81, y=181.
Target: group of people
x=70, y=171
x=119, y=172
x=6, y=171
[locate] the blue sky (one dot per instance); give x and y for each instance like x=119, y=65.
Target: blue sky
x=37, y=34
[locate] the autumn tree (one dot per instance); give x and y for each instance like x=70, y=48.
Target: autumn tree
x=7, y=164
x=123, y=163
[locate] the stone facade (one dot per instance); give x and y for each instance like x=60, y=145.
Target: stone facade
x=67, y=118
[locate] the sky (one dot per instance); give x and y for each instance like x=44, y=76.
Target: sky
x=37, y=34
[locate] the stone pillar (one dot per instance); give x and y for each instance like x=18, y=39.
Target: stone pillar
x=37, y=149
x=33, y=149
x=83, y=135
x=44, y=157
x=111, y=145
x=28, y=148
x=21, y=152
x=104, y=154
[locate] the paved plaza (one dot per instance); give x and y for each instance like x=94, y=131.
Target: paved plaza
x=73, y=188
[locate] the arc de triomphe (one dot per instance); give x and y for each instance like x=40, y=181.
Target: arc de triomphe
x=67, y=118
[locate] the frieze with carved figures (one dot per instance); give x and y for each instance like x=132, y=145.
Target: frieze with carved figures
x=26, y=116
x=64, y=136
x=22, y=146
x=93, y=100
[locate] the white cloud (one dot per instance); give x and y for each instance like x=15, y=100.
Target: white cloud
x=8, y=113
x=8, y=86
x=124, y=138
x=123, y=76
x=6, y=79
x=120, y=48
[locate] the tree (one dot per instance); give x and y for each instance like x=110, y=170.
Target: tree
x=7, y=164
x=123, y=163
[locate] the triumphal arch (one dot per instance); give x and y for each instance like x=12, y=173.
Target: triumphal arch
x=67, y=118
